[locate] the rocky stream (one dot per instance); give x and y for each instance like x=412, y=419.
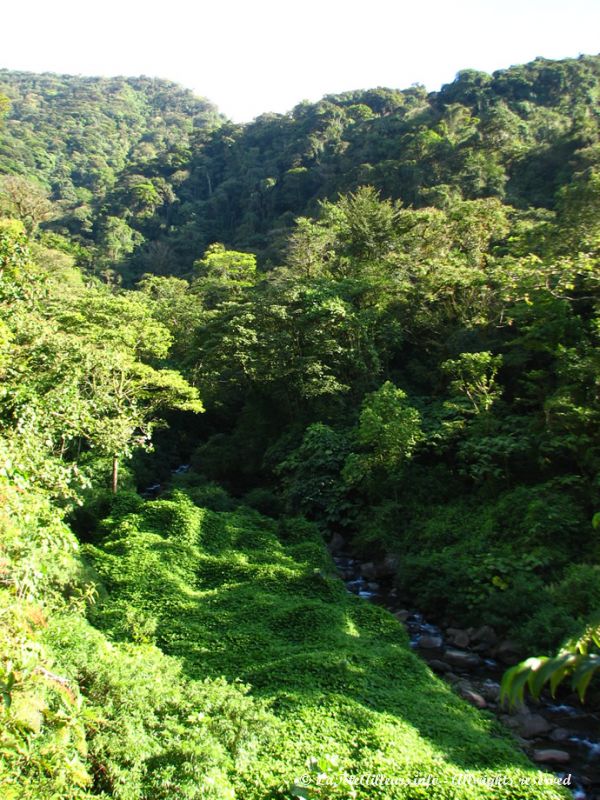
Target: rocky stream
x=560, y=735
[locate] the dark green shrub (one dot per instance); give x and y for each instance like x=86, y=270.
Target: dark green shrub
x=210, y=495
x=578, y=592
x=264, y=501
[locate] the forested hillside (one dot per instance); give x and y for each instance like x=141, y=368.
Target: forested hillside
x=146, y=176
x=108, y=153
x=373, y=322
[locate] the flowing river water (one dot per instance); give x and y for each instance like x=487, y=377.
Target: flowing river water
x=561, y=735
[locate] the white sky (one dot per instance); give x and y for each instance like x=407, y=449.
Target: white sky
x=253, y=57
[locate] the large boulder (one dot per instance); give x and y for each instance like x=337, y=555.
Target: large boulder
x=551, y=756
x=429, y=641
x=462, y=659
x=458, y=637
x=530, y=725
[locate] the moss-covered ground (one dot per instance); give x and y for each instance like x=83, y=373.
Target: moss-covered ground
x=242, y=596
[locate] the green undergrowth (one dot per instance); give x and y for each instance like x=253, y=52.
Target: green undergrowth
x=245, y=597
x=518, y=562
x=82, y=717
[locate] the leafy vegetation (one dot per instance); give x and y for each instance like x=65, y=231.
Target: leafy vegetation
x=579, y=660
x=84, y=717
x=257, y=600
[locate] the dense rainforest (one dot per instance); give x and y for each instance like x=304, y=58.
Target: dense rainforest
x=372, y=321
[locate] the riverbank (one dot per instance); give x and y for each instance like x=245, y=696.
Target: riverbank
x=560, y=735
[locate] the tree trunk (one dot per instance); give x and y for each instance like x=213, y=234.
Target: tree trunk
x=115, y=474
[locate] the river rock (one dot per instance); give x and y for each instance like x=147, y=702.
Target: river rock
x=551, y=756
x=439, y=666
x=530, y=725
x=508, y=652
x=429, y=641
x=388, y=567
x=559, y=735
x=402, y=615
x=514, y=709
x=473, y=698
x=368, y=571
x=336, y=543
x=458, y=637
x=373, y=586
x=491, y=691
x=485, y=635
x=460, y=658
